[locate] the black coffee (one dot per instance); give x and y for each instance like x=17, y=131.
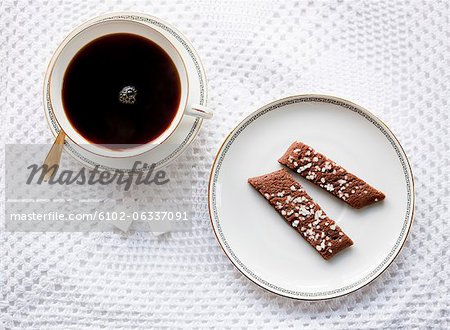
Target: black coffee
x=121, y=89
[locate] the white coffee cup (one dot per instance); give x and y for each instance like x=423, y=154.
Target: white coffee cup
x=84, y=35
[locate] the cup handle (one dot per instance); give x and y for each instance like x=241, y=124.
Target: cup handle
x=198, y=111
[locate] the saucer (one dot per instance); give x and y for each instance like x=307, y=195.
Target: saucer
x=186, y=131
x=257, y=240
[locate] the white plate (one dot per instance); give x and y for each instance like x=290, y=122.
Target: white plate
x=187, y=129
x=257, y=240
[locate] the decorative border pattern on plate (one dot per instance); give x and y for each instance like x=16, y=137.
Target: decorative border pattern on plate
x=406, y=222
x=197, y=121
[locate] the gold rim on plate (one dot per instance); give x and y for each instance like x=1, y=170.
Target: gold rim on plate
x=387, y=261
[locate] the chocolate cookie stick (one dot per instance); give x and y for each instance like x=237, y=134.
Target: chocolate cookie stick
x=325, y=173
x=289, y=198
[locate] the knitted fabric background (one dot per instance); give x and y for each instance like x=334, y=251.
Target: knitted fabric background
x=392, y=57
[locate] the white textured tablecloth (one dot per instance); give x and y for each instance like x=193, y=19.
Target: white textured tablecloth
x=392, y=57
